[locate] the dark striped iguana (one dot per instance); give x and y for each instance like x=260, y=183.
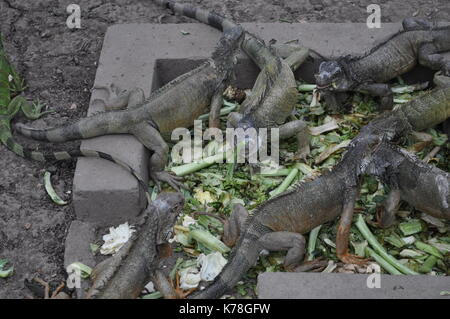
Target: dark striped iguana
x=152, y=120
x=418, y=43
x=279, y=223
x=274, y=94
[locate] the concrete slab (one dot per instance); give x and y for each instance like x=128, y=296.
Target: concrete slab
x=77, y=247
x=279, y=285
x=150, y=55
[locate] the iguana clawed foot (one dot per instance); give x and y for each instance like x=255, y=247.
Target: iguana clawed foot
x=173, y=181
x=57, y=293
x=353, y=259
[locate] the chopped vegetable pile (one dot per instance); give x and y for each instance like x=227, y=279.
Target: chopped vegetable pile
x=417, y=243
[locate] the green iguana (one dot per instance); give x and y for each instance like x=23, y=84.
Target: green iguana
x=124, y=275
x=11, y=85
x=417, y=43
x=279, y=223
x=274, y=95
x=151, y=120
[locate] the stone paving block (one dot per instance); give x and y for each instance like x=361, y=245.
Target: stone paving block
x=284, y=285
x=150, y=55
x=77, y=248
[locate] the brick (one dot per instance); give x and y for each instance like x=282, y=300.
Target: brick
x=279, y=285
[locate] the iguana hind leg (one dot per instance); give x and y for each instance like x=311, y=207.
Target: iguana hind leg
x=122, y=98
x=429, y=57
x=410, y=24
x=149, y=135
x=294, y=243
x=386, y=213
x=381, y=90
x=233, y=226
x=344, y=230
x=216, y=104
x=299, y=129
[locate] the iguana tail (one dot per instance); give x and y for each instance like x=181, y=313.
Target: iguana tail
x=207, y=17
x=8, y=140
x=113, y=122
x=244, y=255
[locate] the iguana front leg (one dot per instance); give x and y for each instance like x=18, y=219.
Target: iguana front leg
x=344, y=230
x=379, y=89
x=233, y=226
x=233, y=119
x=299, y=129
x=148, y=135
x=294, y=243
x=429, y=57
x=216, y=104
x=386, y=213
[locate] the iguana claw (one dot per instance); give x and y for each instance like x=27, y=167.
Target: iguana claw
x=173, y=181
x=353, y=259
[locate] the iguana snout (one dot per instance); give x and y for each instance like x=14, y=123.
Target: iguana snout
x=331, y=76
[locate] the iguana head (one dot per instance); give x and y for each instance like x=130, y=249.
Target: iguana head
x=332, y=77
x=228, y=46
x=167, y=219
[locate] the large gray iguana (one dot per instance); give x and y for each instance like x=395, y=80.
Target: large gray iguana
x=152, y=119
x=279, y=223
x=274, y=95
x=418, y=43
x=124, y=275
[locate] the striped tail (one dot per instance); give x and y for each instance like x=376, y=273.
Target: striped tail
x=8, y=140
x=113, y=122
x=204, y=16
x=244, y=255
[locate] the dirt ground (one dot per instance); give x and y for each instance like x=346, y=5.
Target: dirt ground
x=59, y=66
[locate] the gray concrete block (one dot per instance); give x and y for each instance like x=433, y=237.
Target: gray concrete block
x=150, y=55
x=284, y=285
x=77, y=247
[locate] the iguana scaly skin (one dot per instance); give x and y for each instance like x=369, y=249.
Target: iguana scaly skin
x=11, y=85
x=274, y=95
x=124, y=275
x=150, y=120
x=418, y=43
x=279, y=223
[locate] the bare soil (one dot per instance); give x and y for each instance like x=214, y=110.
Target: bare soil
x=59, y=66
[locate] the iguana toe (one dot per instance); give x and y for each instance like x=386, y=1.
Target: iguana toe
x=173, y=181
x=353, y=259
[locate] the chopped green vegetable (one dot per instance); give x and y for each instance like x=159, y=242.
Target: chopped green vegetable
x=382, y=262
x=5, y=273
x=312, y=242
x=367, y=234
x=428, y=249
x=153, y=295
x=86, y=271
x=411, y=227
x=51, y=191
x=285, y=184
x=428, y=265
x=208, y=240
